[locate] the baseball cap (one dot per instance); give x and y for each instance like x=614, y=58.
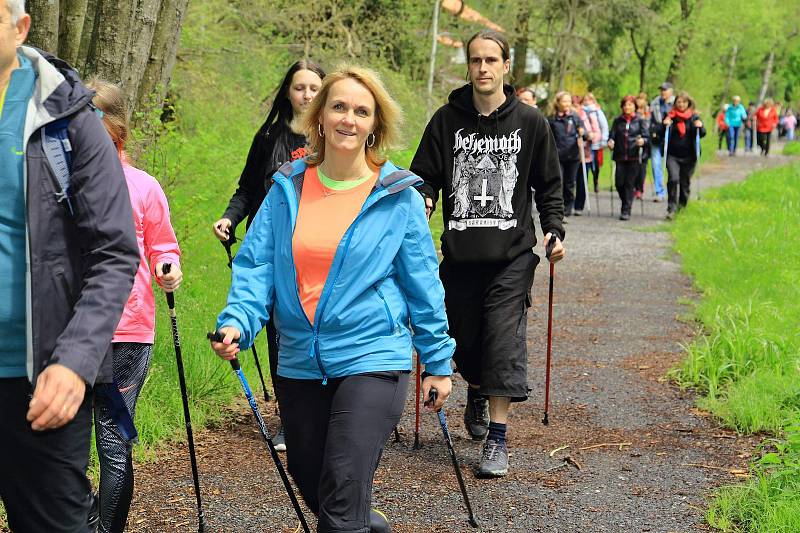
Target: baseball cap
x=666, y=85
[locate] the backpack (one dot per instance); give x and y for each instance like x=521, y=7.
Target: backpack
x=58, y=150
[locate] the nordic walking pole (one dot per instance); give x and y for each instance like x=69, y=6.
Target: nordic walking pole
x=547, y=251
x=176, y=341
x=228, y=244
x=417, y=443
x=218, y=337
x=611, y=185
x=596, y=189
x=449, y=441
x=641, y=198
x=666, y=149
x=586, y=201
x=697, y=152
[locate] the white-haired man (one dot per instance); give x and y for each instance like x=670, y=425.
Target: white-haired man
x=68, y=255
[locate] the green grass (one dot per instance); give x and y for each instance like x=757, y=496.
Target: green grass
x=741, y=244
x=791, y=148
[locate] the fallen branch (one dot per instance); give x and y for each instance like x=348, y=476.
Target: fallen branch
x=573, y=462
x=564, y=447
x=619, y=445
x=732, y=471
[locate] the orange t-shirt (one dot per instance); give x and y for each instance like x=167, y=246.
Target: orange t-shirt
x=322, y=219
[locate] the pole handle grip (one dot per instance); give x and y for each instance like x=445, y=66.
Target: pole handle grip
x=550, y=245
x=166, y=268
x=216, y=336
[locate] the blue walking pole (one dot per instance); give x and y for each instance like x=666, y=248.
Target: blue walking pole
x=218, y=337
x=432, y=394
x=697, y=153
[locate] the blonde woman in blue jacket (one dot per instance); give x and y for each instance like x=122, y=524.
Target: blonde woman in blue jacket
x=341, y=250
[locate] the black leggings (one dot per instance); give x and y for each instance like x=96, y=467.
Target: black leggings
x=763, y=141
x=335, y=435
x=114, y=451
x=626, y=175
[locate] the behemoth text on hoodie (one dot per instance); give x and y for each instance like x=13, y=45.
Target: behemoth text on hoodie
x=486, y=167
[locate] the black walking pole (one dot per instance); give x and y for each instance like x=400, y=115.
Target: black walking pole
x=611, y=185
x=417, y=444
x=549, y=250
x=176, y=340
x=218, y=337
x=228, y=244
x=641, y=198
x=449, y=442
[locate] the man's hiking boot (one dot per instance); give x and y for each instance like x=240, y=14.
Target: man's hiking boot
x=378, y=522
x=494, y=460
x=476, y=417
x=279, y=440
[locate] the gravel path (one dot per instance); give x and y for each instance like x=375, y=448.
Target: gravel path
x=641, y=457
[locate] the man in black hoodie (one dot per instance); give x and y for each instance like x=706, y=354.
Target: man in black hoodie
x=486, y=151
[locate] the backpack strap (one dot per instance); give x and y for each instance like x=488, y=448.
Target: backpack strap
x=58, y=150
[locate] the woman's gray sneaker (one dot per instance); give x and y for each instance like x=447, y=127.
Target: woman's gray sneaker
x=494, y=460
x=476, y=418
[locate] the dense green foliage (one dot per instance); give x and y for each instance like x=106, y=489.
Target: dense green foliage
x=742, y=247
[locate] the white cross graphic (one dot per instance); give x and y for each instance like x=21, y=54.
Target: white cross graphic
x=482, y=197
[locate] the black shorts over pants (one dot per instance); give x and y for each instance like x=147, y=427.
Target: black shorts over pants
x=487, y=308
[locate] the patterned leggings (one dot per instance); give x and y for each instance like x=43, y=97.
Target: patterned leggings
x=131, y=362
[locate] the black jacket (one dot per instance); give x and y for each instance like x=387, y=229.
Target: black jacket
x=624, y=135
x=486, y=167
x=81, y=266
x=565, y=132
x=271, y=148
x=682, y=147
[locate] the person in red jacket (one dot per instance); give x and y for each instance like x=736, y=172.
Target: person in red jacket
x=766, y=120
x=722, y=128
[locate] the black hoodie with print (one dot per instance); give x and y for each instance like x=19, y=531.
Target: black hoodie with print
x=486, y=166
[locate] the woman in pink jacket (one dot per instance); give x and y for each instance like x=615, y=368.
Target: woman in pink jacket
x=133, y=340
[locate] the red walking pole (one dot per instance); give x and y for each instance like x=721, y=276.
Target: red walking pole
x=547, y=252
x=417, y=444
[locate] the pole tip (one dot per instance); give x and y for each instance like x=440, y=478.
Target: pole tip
x=545, y=420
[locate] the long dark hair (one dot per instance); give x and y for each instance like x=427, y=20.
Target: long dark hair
x=276, y=131
x=281, y=113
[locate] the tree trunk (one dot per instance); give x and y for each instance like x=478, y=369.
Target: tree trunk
x=109, y=49
x=642, y=56
x=44, y=24
x=684, y=39
x=521, y=44
x=765, y=79
x=141, y=41
x=88, y=34
x=163, y=50
x=731, y=70
x=70, y=29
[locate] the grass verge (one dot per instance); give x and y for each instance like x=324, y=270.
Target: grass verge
x=742, y=247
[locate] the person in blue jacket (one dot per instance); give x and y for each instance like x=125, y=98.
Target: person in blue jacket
x=341, y=251
x=734, y=116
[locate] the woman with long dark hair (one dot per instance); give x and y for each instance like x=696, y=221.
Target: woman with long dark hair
x=629, y=133
x=274, y=144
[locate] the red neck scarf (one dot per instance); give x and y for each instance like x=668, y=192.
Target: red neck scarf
x=680, y=118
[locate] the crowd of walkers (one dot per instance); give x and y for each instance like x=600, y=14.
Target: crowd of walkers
x=758, y=123
x=337, y=264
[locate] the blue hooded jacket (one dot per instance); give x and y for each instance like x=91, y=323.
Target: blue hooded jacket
x=383, y=283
